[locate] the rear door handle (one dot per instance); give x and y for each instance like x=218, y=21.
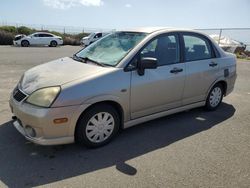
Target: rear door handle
x=176, y=70
x=213, y=64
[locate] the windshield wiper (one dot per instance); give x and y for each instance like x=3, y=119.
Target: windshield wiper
x=77, y=58
x=85, y=59
x=92, y=61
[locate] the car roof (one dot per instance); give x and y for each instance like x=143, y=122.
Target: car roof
x=97, y=32
x=155, y=29
x=43, y=33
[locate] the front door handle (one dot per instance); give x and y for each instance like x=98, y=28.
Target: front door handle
x=176, y=70
x=213, y=64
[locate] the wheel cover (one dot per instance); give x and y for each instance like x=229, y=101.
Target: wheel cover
x=215, y=97
x=100, y=127
x=25, y=43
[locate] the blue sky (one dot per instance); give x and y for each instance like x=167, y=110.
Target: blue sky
x=120, y=14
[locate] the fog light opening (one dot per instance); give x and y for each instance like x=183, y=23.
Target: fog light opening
x=30, y=131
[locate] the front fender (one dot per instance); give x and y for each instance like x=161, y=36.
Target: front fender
x=93, y=100
x=102, y=98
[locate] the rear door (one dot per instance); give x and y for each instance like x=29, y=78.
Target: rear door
x=201, y=67
x=162, y=88
x=45, y=38
x=42, y=39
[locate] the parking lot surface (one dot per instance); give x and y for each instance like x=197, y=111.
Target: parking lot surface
x=189, y=149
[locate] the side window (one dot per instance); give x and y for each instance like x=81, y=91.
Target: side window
x=164, y=48
x=47, y=35
x=36, y=35
x=196, y=48
x=98, y=35
x=41, y=35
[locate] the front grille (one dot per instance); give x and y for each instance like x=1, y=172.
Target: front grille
x=18, y=95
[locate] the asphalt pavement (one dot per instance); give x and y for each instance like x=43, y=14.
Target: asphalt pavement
x=190, y=149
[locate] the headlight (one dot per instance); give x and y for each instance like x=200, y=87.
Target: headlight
x=44, y=97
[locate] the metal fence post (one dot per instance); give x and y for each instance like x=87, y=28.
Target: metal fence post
x=219, y=36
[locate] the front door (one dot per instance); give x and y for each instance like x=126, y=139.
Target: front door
x=162, y=88
x=35, y=39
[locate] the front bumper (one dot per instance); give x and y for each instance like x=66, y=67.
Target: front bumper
x=41, y=140
x=60, y=42
x=16, y=43
x=41, y=120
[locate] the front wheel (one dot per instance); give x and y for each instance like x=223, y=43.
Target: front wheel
x=214, y=97
x=97, y=126
x=25, y=43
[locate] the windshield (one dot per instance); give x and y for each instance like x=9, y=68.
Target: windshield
x=90, y=35
x=111, y=49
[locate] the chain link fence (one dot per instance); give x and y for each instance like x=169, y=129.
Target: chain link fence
x=242, y=35
x=58, y=28
x=238, y=34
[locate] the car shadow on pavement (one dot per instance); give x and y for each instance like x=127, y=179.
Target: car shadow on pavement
x=23, y=164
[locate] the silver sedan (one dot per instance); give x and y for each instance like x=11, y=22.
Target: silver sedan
x=126, y=78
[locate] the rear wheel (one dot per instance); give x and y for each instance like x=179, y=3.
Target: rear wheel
x=97, y=126
x=53, y=43
x=214, y=97
x=25, y=43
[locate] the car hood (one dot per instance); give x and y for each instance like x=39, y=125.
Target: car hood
x=20, y=35
x=56, y=73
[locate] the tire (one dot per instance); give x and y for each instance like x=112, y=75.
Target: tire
x=214, y=97
x=93, y=133
x=25, y=43
x=53, y=43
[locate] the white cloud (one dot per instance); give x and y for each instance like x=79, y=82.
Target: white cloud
x=65, y=4
x=128, y=5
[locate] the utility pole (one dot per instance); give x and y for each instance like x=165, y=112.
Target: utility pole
x=219, y=36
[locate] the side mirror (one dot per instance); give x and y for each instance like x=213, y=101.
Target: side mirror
x=146, y=63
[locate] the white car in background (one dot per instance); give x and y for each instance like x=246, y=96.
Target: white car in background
x=92, y=38
x=38, y=39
